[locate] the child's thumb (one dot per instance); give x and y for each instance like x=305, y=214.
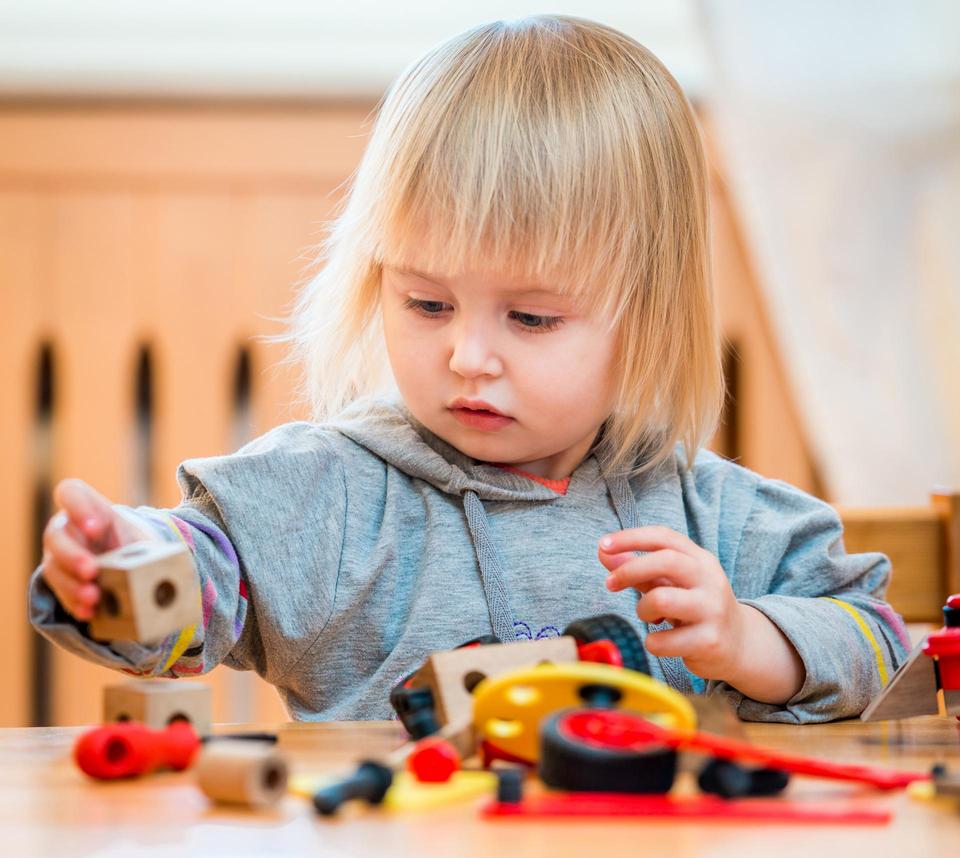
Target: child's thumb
x=89, y=510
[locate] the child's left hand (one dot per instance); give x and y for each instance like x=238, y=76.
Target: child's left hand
x=684, y=584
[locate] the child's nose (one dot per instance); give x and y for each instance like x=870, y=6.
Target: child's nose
x=473, y=355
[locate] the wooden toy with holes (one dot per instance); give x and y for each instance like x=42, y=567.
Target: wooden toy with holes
x=159, y=702
x=452, y=675
x=148, y=590
x=928, y=682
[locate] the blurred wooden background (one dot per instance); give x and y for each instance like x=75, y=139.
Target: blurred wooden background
x=143, y=249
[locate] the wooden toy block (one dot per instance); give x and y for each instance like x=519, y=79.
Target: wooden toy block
x=911, y=692
x=148, y=590
x=250, y=774
x=159, y=702
x=452, y=675
x=928, y=682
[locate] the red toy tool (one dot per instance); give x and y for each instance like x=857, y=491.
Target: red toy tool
x=612, y=728
x=701, y=807
x=129, y=749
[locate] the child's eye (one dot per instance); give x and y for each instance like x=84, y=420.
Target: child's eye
x=537, y=324
x=425, y=308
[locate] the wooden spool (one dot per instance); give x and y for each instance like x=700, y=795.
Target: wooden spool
x=245, y=773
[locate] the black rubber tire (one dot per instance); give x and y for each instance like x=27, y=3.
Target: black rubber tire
x=568, y=764
x=483, y=640
x=614, y=628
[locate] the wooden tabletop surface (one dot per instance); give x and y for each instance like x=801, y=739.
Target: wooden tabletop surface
x=47, y=807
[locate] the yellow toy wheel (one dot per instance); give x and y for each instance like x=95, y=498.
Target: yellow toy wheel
x=508, y=708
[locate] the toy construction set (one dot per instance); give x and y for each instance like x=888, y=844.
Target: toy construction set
x=571, y=726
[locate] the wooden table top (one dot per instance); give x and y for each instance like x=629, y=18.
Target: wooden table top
x=47, y=807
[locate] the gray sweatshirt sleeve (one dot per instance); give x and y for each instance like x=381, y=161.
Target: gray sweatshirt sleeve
x=247, y=519
x=792, y=566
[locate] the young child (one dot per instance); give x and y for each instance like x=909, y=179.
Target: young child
x=526, y=245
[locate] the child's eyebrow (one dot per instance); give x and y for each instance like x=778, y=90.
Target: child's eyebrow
x=525, y=290
x=403, y=269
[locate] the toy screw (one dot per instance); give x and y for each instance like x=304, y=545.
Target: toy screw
x=370, y=781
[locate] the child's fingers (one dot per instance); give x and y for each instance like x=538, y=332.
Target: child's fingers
x=79, y=598
x=673, y=603
x=85, y=507
x=614, y=561
x=700, y=642
x=680, y=570
x=651, y=538
x=66, y=547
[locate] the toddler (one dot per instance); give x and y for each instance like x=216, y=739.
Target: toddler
x=513, y=360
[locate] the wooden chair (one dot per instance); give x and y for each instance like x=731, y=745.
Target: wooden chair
x=923, y=543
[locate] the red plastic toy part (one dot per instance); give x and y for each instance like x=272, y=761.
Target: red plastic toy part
x=130, y=749
x=620, y=729
x=600, y=652
x=945, y=647
x=705, y=807
x=433, y=760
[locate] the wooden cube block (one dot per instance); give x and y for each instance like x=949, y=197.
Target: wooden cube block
x=452, y=675
x=148, y=590
x=159, y=702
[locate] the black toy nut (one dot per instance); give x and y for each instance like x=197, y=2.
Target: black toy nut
x=728, y=779
x=510, y=785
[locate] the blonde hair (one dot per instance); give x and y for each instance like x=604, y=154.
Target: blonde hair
x=554, y=148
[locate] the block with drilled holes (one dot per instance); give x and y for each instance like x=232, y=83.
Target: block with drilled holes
x=148, y=590
x=452, y=675
x=159, y=702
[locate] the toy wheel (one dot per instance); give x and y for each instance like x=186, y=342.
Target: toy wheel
x=618, y=631
x=575, y=762
x=509, y=708
x=483, y=640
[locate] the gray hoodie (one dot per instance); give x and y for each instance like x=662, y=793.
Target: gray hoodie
x=334, y=558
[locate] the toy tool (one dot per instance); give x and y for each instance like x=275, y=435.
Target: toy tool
x=370, y=782
x=131, y=749
x=702, y=807
x=617, y=728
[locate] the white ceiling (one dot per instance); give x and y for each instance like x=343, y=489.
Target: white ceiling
x=292, y=48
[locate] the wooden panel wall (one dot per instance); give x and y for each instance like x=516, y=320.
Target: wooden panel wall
x=179, y=230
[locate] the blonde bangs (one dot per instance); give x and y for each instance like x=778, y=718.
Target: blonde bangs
x=552, y=149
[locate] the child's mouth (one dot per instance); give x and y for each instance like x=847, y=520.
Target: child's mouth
x=478, y=418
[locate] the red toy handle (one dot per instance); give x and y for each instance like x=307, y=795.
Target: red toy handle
x=129, y=749
x=607, y=728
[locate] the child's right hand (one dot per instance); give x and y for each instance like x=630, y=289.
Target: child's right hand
x=86, y=525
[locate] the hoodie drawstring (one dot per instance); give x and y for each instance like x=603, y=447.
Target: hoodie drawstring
x=494, y=585
x=625, y=505
x=491, y=568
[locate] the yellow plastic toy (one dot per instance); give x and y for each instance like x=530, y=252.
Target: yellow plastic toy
x=508, y=708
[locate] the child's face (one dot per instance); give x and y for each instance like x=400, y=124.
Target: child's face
x=460, y=346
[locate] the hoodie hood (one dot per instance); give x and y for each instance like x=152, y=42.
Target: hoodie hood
x=388, y=429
